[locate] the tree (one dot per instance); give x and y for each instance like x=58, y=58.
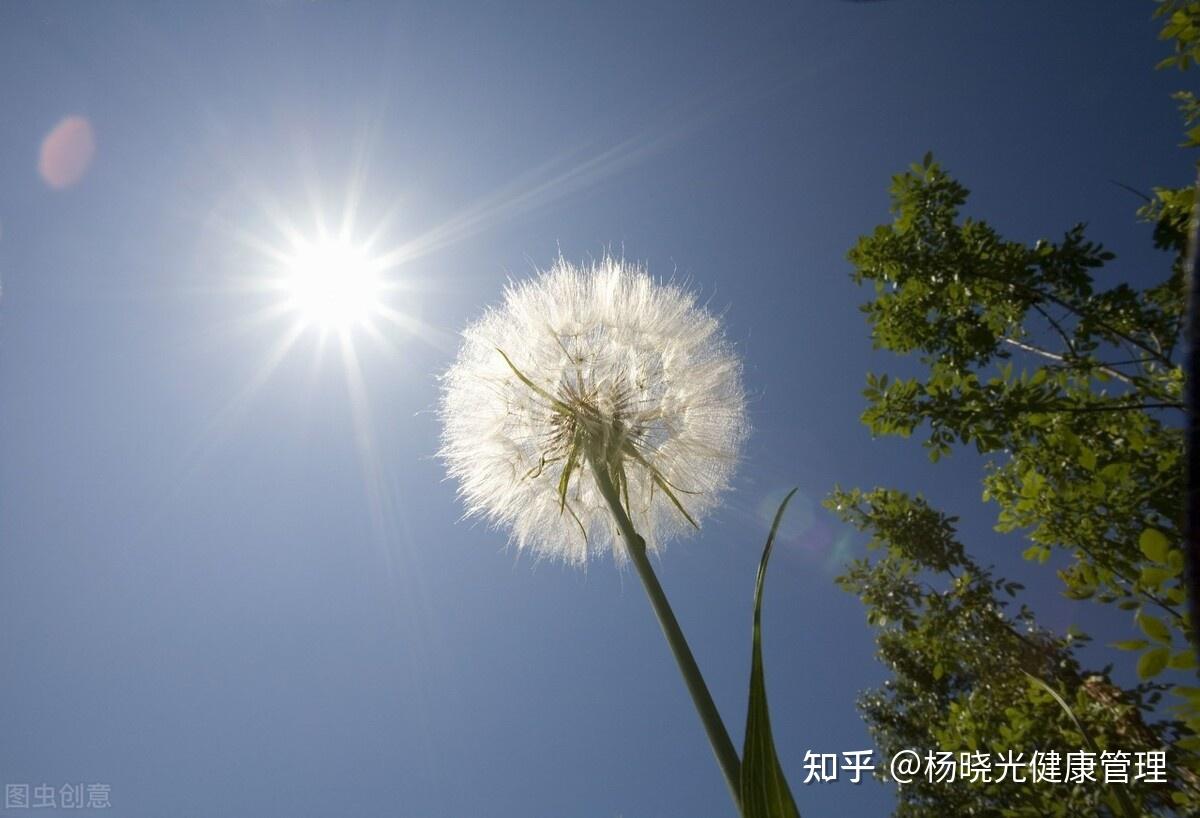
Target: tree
x=1074, y=394
x=970, y=676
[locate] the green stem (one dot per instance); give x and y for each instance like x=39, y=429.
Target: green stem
x=718, y=736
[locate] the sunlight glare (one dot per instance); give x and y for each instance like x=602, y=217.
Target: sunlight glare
x=333, y=284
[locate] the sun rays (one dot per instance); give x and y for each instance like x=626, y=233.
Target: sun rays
x=332, y=281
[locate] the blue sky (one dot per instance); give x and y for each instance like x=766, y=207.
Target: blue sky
x=234, y=582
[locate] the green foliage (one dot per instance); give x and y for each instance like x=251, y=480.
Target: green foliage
x=1084, y=456
x=1122, y=797
x=1073, y=395
x=764, y=790
x=1084, y=439
x=962, y=657
x=1181, y=26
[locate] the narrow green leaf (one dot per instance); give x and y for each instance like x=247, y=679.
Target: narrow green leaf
x=578, y=522
x=1122, y=797
x=1131, y=644
x=661, y=482
x=555, y=402
x=564, y=482
x=765, y=792
x=1083, y=731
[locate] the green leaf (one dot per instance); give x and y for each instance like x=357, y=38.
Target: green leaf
x=1131, y=644
x=1190, y=743
x=1087, y=458
x=1152, y=662
x=1152, y=576
x=1184, y=660
x=1175, y=561
x=764, y=790
x=1036, y=552
x=1153, y=627
x=1154, y=544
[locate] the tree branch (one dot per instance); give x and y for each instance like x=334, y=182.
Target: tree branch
x=1071, y=308
x=1129, y=407
x=1062, y=333
x=1054, y=356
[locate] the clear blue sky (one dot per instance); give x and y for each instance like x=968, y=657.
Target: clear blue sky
x=236, y=585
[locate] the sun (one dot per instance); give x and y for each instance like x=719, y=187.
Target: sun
x=332, y=284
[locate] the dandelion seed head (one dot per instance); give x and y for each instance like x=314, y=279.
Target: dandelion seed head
x=583, y=360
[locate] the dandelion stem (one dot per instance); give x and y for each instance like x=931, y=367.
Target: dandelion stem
x=718, y=736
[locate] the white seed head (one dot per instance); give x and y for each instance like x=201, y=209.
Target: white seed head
x=598, y=362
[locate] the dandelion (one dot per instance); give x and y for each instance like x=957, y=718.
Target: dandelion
x=586, y=376
x=598, y=411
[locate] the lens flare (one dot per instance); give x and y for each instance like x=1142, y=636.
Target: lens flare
x=66, y=152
